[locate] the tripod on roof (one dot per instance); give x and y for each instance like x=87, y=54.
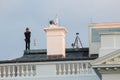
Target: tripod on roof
x=77, y=41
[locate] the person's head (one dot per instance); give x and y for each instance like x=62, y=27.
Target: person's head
x=52, y=22
x=27, y=29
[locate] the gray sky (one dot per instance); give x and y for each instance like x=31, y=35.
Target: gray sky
x=75, y=15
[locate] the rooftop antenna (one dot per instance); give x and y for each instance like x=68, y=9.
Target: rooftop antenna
x=77, y=41
x=57, y=20
x=35, y=43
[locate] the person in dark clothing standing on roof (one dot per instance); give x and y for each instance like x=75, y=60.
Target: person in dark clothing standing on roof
x=27, y=34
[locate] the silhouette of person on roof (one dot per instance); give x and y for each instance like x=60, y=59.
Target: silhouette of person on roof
x=27, y=34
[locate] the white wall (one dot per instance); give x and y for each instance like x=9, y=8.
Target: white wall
x=109, y=42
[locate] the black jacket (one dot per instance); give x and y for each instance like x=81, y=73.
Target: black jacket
x=27, y=36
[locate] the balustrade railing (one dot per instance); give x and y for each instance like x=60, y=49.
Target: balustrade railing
x=17, y=70
x=73, y=68
x=21, y=70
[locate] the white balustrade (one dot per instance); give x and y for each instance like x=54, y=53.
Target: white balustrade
x=21, y=70
x=73, y=68
x=9, y=71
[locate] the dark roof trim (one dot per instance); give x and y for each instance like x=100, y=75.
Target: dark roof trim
x=46, y=60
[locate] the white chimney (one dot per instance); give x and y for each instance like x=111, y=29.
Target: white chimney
x=55, y=41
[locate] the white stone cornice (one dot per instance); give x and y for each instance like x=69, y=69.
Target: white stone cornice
x=106, y=65
x=111, y=58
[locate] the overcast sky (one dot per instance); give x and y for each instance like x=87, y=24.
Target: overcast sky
x=74, y=15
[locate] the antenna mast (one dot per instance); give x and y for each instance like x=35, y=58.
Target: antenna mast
x=57, y=20
x=35, y=43
x=77, y=41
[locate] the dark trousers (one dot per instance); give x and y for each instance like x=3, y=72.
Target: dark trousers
x=27, y=47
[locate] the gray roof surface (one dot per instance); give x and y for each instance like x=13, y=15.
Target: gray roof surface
x=41, y=56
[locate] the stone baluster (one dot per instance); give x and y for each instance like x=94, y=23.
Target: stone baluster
x=0, y=72
x=62, y=69
x=5, y=69
x=13, y=71
x=4, y=72
x=31, y=73
x=71, y=68
x=79, y=67
x=57, y=69
x=34, y=70
x=68, y=65
x=8, y=71
x=82, y=68
x=22, y=70
x=31, y=70
x=75, y=68
x=59, y=65
x=17, y=71
x=66, y=69
x=86, y=68
x=89, y=68
x=27, y=72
